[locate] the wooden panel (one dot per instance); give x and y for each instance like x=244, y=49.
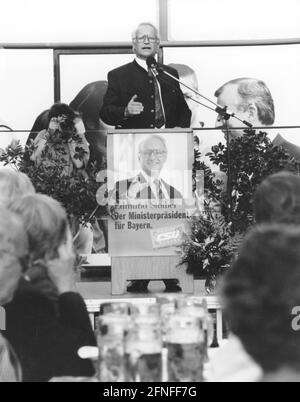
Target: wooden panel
x=153, y=268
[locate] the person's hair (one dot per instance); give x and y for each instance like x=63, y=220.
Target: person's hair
x=62, y=109
x=254, y=90
x=148, y=24
x=153, y=137
x=259, y=294
x=13, y=185
x=277, y=199
x=13, y=251
x=46, y=224
x=185, y=71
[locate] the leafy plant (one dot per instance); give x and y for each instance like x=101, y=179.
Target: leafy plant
x=212, y=243
x=210, y=247
x=213, y=186
x=253, y=158
x=76, y=192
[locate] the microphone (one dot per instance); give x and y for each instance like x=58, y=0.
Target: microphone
x=153, y=65
x=227, y=114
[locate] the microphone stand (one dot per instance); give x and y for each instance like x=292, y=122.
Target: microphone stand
x=229, y=177
x=222, y=111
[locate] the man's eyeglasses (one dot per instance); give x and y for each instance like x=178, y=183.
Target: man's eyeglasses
x=146, y=38
x=154, y=152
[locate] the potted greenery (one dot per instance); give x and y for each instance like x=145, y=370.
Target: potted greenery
x=77, y=193
x=253, y=158
x=214, y=238
x=210, y=247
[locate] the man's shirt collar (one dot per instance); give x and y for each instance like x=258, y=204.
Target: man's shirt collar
x=142, y=63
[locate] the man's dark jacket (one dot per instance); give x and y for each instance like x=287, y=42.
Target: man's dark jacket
x=46, y=336
x=122, y=187
x=131, y=79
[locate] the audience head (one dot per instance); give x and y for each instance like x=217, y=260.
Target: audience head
x=260, y=292
x=13, y=185
x=61, y=109
x=188, y=76
x=145, y=40
x=46, y=224
x=250, y=99
x=13, y=253
x=277, y=199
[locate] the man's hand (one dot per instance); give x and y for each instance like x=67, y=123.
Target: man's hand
x=134, y=108
x=61, y=270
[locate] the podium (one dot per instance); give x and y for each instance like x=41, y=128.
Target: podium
x=125, y=269
x=149, y=210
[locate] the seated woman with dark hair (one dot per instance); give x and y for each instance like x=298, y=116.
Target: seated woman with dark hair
x=47, y=325
x=63, y=150
x=13, y=253
x=260, y=292
x=63, y=141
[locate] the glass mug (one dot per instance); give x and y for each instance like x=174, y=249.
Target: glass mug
x=143, y=349
x=111, y=333
x=184, y=342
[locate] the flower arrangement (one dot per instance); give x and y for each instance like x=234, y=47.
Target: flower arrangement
x=210, y=248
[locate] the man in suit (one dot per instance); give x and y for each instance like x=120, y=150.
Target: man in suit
x=135, y=99
x=148, y=184
x=251, y=100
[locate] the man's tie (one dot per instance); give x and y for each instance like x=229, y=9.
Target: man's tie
x=159, y=113
x=159, y=192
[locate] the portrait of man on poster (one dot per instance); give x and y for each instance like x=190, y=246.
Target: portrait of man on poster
x=148, y=184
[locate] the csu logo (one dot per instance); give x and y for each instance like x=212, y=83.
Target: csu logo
x=167, y=236
x=2, y=319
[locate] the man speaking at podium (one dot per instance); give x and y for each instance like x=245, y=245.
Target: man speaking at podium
x=135, y=99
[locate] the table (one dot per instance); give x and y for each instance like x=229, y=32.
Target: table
x=97, y=293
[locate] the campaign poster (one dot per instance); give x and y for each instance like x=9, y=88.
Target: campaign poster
x=150, y=191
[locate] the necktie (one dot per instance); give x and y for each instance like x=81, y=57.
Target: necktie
x=159, y=192
x=159, y=113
